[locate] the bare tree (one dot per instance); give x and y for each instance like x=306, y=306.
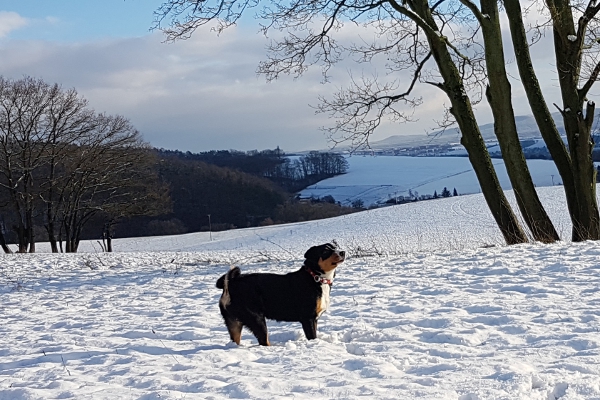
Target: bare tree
x=425, y=40
x=109, y=173
x=499, y=97
x=22, y=111
x=68, y=120
x=139, y=192
x=63, y=163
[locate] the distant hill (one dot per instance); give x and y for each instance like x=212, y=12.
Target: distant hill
x=447, y=142
x=526, y=127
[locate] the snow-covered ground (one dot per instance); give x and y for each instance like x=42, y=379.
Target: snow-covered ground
x=376, y=179
x=428, y=305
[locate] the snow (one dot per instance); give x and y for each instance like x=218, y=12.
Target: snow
x=428, y=305
x=540, y=144
x=374, y=180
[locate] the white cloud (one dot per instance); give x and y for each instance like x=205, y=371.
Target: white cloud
x=195, y=95
x=10, y=21
x=202, y=93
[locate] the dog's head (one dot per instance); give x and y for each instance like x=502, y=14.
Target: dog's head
x=327, y=256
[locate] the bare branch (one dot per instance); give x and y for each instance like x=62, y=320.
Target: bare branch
x=361, y=108
x=185, y=16
x=593, y=78
x=476, y=12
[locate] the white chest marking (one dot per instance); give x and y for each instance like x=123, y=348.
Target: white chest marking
x=325, y=299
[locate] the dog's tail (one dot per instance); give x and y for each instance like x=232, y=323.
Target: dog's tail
x=234, y=272
x=223, y=283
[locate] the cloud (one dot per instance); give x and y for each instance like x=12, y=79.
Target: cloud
x=10, y=21
x=203, y=93
x=197, y=95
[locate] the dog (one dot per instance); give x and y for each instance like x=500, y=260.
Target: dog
x=300, y=296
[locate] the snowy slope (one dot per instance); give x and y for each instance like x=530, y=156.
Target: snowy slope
x=420, y=311
x=453, y=223
x=377, y=179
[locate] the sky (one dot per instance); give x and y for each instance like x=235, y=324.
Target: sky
x=195, y=95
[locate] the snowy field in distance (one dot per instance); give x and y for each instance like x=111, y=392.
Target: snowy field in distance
x=454, y=223
x=375, y=179
x=420, y=310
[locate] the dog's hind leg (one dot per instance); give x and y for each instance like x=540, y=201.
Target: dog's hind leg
x=310, y=328
x=235, y=330
x=258, y=325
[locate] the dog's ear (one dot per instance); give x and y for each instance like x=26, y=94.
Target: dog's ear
x=314, y=253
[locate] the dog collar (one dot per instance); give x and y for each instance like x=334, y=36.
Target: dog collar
x=319, y=278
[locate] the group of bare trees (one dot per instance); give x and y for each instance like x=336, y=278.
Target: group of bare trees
x=322, y=164
x=455, y=45
x=311, y=167
x=62, y=164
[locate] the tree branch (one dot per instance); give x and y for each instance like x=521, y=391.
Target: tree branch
x=476, y=12
x=583, y=91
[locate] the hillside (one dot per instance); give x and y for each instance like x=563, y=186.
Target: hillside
x=447, y=142
x=526, y=126
x=454, y=223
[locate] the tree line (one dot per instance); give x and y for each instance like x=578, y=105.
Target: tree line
x=290, y=173
x=234, y=189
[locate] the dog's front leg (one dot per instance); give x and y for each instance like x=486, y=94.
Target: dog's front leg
x=310, y=328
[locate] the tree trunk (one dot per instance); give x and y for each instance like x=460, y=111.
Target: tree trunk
x=50, y=215
x=499, y=97
x=556, y=147
x=30, y=231
x=3, y=243
x=76, y=237
x=587, y=226
x=578, y=125
x=67, y=230
x=471, y=136
x=574, y=165
x=22, y=236
x=107, y=235
x=52, y=237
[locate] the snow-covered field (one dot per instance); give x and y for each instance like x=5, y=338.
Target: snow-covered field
x=377, y=179
x=425, y=307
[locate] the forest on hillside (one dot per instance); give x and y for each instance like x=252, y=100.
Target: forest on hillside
x=220, y=190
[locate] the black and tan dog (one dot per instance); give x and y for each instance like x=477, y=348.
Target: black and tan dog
x=300, y=296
